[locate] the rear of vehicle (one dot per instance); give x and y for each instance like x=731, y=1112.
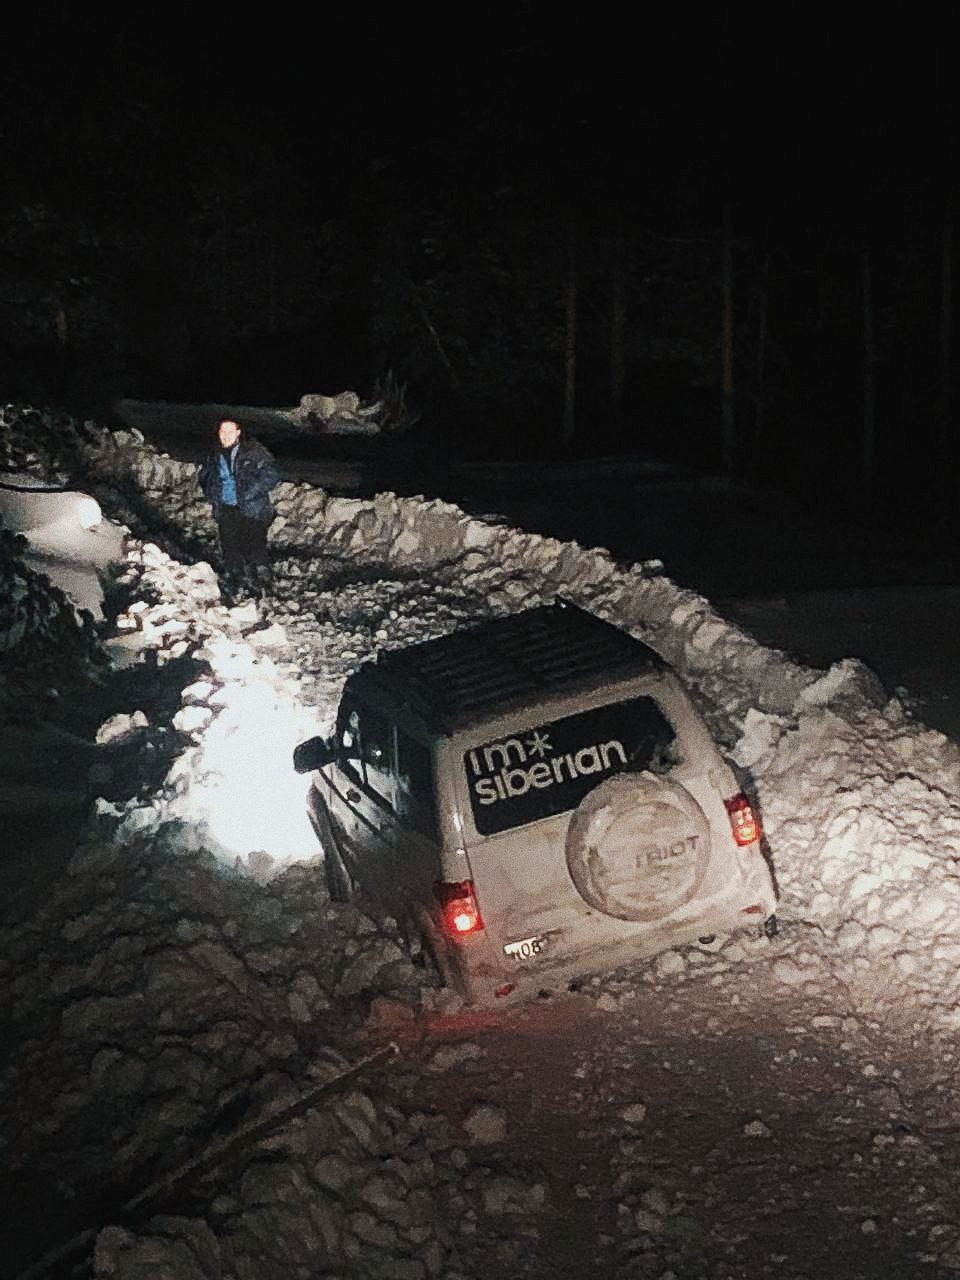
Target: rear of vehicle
x=609, y=829
x=539, y=798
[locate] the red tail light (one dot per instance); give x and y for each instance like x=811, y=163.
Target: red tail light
x=458, y=901
x=743, y=821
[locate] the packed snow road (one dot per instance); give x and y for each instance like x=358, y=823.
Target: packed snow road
x=714, y=1128
x=742, y=1107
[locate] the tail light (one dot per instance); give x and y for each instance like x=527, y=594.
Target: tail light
x=458, y=902
x=743, y=821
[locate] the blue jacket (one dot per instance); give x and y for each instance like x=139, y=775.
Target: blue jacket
x=255, y=473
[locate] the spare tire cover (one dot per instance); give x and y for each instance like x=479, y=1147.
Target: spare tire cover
x=638, y=847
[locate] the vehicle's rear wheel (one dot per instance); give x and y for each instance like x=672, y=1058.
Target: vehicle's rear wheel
x=426, y=959
x=427, y=954
x=638, y=847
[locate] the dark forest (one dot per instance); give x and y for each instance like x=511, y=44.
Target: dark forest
x=723, y=239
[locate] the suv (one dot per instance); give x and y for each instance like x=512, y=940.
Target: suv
x=534, y=798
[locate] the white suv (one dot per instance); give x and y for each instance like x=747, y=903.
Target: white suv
x=535, y=798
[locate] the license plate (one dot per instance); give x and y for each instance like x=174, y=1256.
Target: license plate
x=526, y=948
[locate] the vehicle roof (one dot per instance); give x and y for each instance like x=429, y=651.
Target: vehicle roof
x=456, y=679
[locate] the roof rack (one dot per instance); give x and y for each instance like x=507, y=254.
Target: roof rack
x=456, y=678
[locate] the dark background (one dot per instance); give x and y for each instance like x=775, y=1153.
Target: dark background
x=203, y=206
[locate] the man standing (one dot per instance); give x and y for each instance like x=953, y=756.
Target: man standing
x=236, y=479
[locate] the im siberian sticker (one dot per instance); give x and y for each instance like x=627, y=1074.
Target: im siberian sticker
x=547, y=769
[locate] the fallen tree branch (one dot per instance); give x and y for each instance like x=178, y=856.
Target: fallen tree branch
x=200, y=1165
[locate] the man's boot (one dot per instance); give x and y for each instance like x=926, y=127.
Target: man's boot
x=229, y=586
x=248, y=588
x=264, y=578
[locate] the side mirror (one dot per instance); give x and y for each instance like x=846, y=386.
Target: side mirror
x=312, y=754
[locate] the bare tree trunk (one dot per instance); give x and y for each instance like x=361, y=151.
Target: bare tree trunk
x=570, y=352
x=618, y=319
x=821, y=291
x=726, y=344
x=435, y=340
x=272, y=301
x=728, y=424
x=868, y=460
x=947, y=459
x=761, y=390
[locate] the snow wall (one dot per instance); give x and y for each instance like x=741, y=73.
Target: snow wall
x=731, y=671
x=860, y=802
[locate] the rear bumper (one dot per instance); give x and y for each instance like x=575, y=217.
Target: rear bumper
x=485, y=975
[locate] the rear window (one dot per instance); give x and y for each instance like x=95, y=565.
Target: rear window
x=544, y=770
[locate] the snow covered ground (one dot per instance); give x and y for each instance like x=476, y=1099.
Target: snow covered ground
x=68, y=540
x=749, y=1106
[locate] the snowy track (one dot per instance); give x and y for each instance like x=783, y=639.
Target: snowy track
x=174, y=990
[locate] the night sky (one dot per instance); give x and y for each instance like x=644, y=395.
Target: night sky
x=807, y=110
x=804, y=99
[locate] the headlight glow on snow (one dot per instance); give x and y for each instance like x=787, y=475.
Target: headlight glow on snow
x=241, y=784
x=256, y=802
x=88, y=511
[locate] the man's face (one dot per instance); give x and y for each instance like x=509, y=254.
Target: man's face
x=229, y=433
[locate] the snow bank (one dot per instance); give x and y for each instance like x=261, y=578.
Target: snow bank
x=504, y=567
x=181, y=999
x=44, y=641
x=861, y=807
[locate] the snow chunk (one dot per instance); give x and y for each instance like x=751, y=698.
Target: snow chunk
x=361, y=972
x=669, y=964
x=759, y=740
x=789, y=972
x=272, y=637
x=635, y=1113
x=756, y=1129
x=452, y=1055
x=863, y=884
x=848, y=681
x=486, y=1124
x=191, y=719
x=510, y=1195
x=851, y=936
x=121, y=726
x=199, y=691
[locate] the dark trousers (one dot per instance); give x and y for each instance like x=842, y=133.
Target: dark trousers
x=243, y=541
